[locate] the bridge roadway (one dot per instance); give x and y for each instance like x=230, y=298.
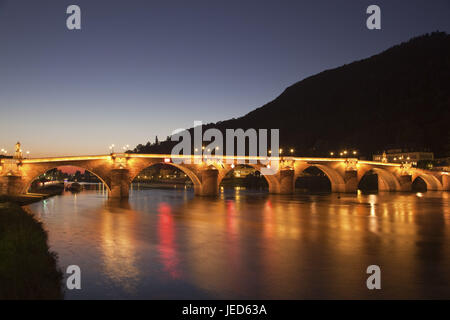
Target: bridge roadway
x=117, y=171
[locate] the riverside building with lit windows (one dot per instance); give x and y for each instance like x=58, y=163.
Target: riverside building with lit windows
x=399, y=156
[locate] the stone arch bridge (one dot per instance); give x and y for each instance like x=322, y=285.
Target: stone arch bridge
x=117, y=171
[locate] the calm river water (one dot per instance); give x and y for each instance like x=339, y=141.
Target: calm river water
x=165, y=244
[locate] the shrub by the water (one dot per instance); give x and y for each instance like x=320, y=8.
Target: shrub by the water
x=28, y=269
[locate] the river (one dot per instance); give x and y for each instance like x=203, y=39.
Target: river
x=169, y=244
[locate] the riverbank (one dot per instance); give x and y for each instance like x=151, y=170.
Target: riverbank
x=28, y=269
x=25, y=199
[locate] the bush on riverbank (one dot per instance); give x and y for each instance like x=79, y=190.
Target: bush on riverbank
x=28, y=269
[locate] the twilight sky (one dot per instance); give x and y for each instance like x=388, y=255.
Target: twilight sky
x=140, y=68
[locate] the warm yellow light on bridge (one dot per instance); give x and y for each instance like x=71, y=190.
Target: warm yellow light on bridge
x=281, y=151
x=354, y=152
x=345, y=151
x=270, y=151
x=292, y=150
x=331, y=153
x=203, y=148
x=341, y=154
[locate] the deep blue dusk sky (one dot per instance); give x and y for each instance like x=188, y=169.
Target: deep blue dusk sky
x=143, y=68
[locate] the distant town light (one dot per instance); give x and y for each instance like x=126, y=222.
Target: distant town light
x=331, y=153
x=166, y=160
x=281, y=151
x=292, y=150
x=354, y=152
x=345, y=151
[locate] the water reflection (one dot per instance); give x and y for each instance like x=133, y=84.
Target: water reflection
x=166, y=234
x=244, y=244
x=118, y=245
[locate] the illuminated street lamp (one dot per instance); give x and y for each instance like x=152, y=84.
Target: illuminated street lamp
x=281, y=151
x=331, y=153
x=292, y=151
x=354, y=152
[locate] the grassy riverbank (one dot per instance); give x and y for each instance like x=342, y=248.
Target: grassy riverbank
x=28, y=269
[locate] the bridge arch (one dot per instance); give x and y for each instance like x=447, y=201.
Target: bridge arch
x=273, y=183
x=37, y=173
x=430, y=180
x=387, y=181
x=336, y=180
x=189, y=173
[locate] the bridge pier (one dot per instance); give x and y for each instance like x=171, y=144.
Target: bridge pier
x=287, y=181
x=351, y=181
x=11, y=185
x=120, y=184
x=209, y=185
x=405, y=183
x=446, y=182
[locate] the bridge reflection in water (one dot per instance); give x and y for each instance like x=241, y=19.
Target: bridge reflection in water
x=171, y=244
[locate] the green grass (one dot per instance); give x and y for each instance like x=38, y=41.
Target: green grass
x=28, y=269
